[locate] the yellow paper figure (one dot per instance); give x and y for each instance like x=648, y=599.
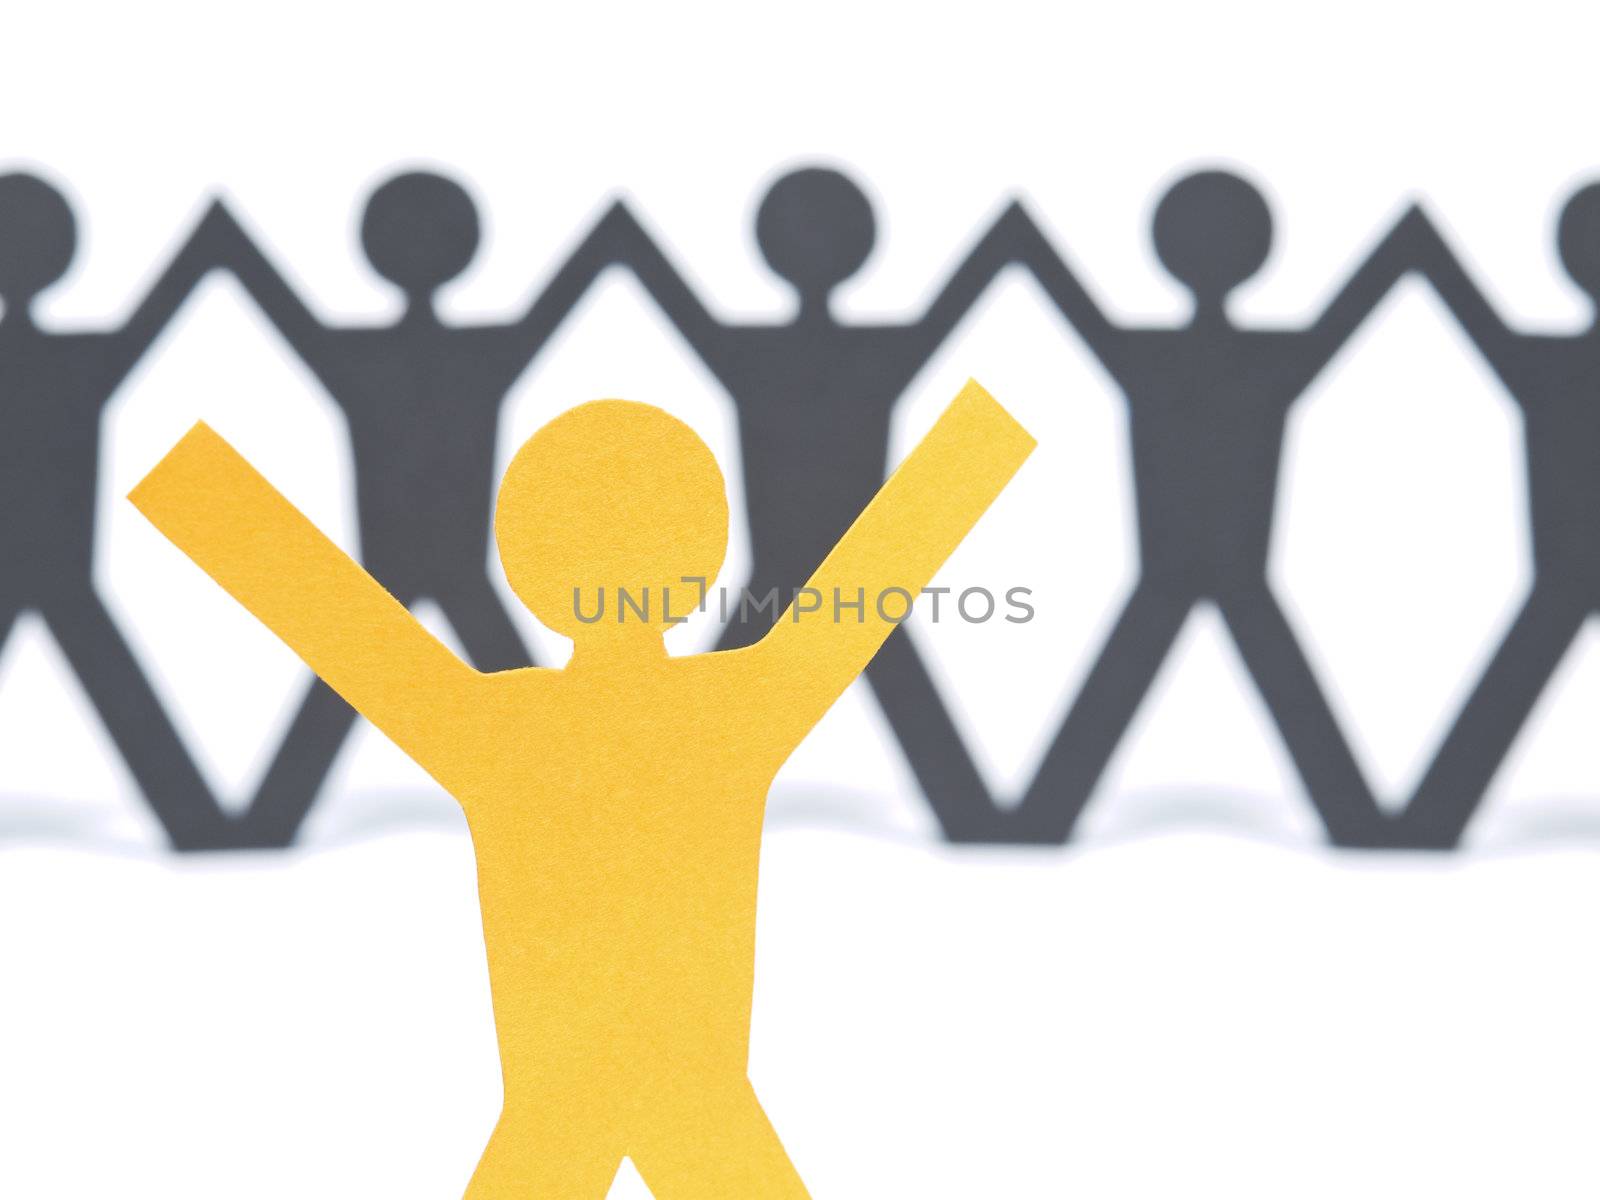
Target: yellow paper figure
x=616, y=804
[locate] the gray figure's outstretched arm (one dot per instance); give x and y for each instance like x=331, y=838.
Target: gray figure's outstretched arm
x=619, y=239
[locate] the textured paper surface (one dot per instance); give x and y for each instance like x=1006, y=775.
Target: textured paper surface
x=615, y=805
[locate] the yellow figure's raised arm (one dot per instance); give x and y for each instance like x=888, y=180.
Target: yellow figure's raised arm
x=268, y=556
x=823, y=641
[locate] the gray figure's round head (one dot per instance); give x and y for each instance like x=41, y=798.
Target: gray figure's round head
x=815, y=228
x=1212, y=231
x=420, y=230
x=38, y=237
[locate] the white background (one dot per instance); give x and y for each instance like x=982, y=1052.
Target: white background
x=1197, y=999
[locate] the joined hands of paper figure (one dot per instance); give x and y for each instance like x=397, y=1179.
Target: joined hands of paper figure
x=617, y=844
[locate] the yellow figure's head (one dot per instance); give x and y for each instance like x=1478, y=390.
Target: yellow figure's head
x=611, y=496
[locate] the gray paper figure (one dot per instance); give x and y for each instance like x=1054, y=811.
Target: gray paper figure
x=814, y=394
x=422, y=399
x=1207, y=404
x=1555, y=380
x=53, y=391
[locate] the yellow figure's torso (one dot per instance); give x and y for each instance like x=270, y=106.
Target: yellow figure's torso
x=616, y=814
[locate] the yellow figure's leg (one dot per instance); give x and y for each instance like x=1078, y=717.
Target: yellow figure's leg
x=532, y=1159
x=715, y=1145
